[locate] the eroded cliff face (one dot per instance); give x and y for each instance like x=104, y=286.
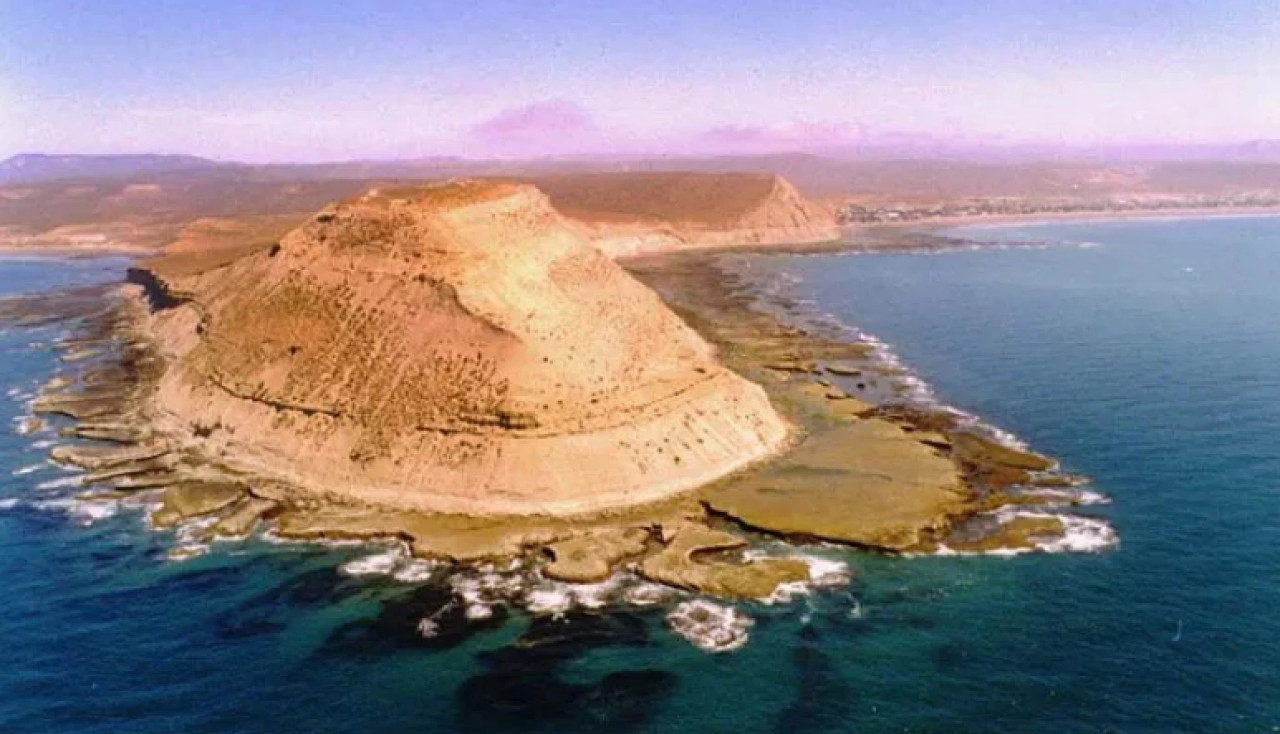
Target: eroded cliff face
x=454, y=348
x=627, y=214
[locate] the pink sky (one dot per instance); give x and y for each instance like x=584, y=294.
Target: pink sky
x=257, y=82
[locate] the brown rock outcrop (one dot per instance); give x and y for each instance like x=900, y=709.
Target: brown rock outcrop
x=453, y=348
x=868, y=483
x=679, y=565
x=591, y=557
x=193, y=499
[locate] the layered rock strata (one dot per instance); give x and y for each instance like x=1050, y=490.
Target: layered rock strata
x=454, y=348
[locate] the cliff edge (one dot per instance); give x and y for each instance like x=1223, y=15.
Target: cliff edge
x=454, y=348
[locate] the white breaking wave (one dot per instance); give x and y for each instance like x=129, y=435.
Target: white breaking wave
x=827, y=572
x=193, y=531
x=29, y=469
x=548, y=600
x=648, y=594
x=73, y=480
x=1080, y=535
x=1053, y=497
x=56, y=505
x=84, y=512
x=415, y=571
x=556, y=598
x=91, y=511
x=484, y=590
x=710, y=627
x=270, y=536
x=1083, y=535
x=396, y=562
x=191, y=539
x=788, y=592
x=823, y=573
x=187, y=551
x=25, y=425
x=378, y=564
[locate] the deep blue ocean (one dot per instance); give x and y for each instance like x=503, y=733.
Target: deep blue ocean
x=1145, y=355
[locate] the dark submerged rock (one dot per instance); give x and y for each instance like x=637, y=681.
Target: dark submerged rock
x=270, y=611
x=523, y=687
x=429, y=617
x=550, y=641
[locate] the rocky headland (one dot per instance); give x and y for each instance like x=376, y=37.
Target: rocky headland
x=461, y=367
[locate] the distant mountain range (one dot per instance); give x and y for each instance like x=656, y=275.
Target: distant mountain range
x=944, y=173
x=36, y=167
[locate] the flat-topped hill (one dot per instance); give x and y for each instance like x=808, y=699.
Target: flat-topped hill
x=706, y=199
x=455, y=348
x=631, y=213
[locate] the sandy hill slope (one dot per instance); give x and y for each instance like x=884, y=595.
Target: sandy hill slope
x=635, y=213
x=456, y=348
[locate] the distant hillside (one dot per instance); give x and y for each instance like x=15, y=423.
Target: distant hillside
x=708, y=199
x=1252, y=166
x=37, y=167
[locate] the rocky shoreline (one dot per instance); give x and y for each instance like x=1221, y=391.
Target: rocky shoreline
x=866, y=468
x=876, y=469
x=941, y=471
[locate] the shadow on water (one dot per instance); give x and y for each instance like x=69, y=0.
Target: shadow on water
x=272, y=610
x=524, y=685
x=824, y=701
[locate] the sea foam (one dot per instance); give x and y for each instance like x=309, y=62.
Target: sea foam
x=84, y=512
x=1080, y=535
x=710, y=627
x=396, y=562
x=823, y=573
x=1083, y=535
x=378, y=564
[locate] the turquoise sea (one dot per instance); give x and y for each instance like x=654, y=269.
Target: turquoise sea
x=1145, y=355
